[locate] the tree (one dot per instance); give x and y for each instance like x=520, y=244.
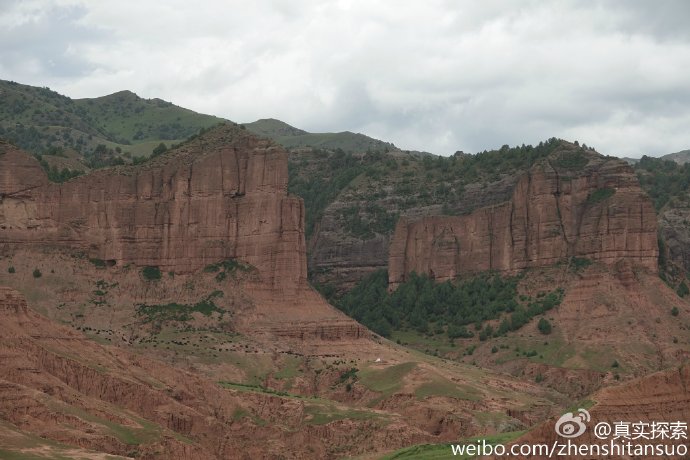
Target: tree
x=160, y=150
x=544, y=326
x=151, y=273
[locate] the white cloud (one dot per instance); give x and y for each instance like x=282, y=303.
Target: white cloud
x=438, y=76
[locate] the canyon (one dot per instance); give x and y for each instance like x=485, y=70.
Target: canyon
x=206, y=358
x=227, y=352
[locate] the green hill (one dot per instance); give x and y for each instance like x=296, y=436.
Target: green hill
x=681, y=157
x=40, y=120
x=291, y=137
x=272, y=128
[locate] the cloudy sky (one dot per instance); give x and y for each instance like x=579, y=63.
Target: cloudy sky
x=435, y=75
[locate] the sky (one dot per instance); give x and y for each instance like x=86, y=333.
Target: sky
x=438, y=76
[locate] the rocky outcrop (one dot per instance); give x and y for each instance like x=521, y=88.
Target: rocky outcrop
x=223, y=195
x=342, y=260
x=658, y=398
x=674, y=229
x=555, y=212
x=57, y=384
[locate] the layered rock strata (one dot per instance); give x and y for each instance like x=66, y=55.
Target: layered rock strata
x=598, y=212
x=221, y=196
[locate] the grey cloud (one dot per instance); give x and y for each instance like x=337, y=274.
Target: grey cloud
x=439, y=76
x=43, y=40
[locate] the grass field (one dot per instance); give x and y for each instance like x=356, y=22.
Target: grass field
x=443, y=451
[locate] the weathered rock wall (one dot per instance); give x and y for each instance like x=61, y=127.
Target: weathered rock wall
x=221, y=196
x=598, y=212
x=337, y=258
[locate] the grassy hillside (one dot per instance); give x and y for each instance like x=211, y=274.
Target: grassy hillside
x=681, y=157
x=291, y=137
x=41, y=121
x=272, y=128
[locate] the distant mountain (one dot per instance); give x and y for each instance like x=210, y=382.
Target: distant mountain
x=631, y=161
x=270, y=127
x=291, y=137
x=38, y=119
x=681, y=157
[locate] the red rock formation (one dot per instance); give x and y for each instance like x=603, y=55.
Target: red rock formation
x=598, y=212
x=58, y=384
x=221, y=196
x=660, y=397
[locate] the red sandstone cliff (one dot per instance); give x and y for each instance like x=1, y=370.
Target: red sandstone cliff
x=598, y=212
x=221, y=196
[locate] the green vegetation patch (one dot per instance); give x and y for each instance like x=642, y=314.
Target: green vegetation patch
x=444, y=451
x=320, y=190
x=579, y=263
x=179, y=312
x=151, y=273
x=600, y=194
x=98, y=263
x=227, y=267
x=103, y=130
x=440, y=386
x=387, y=380
x=365, y=222
x=420, y=303
x=55, y=174
x=573, y=161
x=664, y=180
x=290, y=370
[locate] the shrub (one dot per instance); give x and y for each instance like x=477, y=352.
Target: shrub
x=675, y=311
x=615, y=363
x=539, y=378
x=159, y=150
x=151, y=273
x=600, y=194
x=455, y=332
x=580, y=263
x=572, y=160
x=37, y=273
x=11, y=270
x=98, y=263
x=544, y=326
x=682, y=290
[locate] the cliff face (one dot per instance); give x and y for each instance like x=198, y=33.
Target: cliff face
x=338, y=258
x=598, y=212
x=221, y=196
x=675, y=232
x=660, y=397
